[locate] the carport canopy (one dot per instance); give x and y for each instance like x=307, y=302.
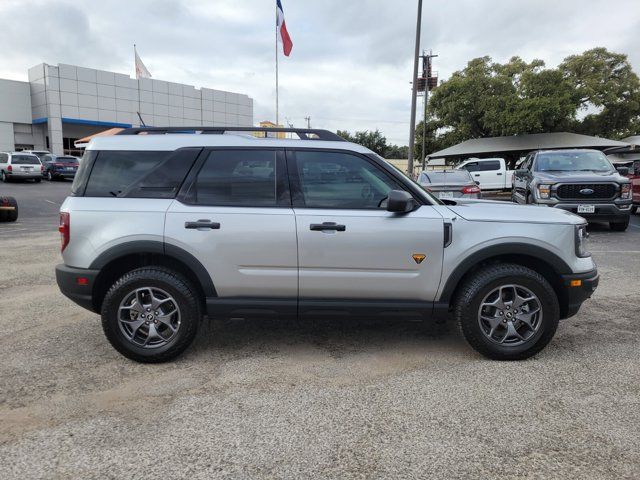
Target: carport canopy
x=513, y=147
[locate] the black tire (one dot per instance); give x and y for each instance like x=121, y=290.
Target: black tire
x=482, y=283
x=5, y=178
x=173, y=283
x=529, y=199
x=634, y=209
x=12, y=215
x=619, y=226
x=37, y=180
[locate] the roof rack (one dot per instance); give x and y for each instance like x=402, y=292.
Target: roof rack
x=303, y=133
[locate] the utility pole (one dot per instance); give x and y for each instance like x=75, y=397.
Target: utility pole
x=414, y=92
x=429, y=81
x=308, y=119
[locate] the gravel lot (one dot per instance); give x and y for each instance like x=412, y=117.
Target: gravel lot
x=341, y=399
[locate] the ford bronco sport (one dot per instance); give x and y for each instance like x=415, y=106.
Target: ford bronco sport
x=165, y=225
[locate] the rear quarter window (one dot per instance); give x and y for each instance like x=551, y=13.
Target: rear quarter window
x=134, y=174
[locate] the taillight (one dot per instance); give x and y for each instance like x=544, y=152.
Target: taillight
x=42, y=168
x=470, y=189
x=9, y=168
x=65, y=230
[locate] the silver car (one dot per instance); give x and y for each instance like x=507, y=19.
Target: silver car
x=18, y=165
x=450, y=184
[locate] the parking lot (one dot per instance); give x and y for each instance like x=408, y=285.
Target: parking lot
x=338, y=399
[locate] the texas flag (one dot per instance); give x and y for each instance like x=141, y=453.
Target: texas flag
x=287, y=44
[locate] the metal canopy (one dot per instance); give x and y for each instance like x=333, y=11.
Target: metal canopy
x=482, y=147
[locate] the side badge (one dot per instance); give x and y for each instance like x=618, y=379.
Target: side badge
x=418, y=257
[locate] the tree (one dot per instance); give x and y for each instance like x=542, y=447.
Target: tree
x=595, y=93
x=608, y=91
x=375, y=141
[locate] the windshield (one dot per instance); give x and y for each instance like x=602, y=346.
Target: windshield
x=24, y=160
x=449, y=176
x=572, y=161
x=39, y=154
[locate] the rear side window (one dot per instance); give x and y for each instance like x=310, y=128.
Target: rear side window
x=236, y=178
x=24, y=160
x=135, y=174
x=490, y=166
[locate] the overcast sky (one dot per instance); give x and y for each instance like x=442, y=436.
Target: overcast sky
x=351, y=62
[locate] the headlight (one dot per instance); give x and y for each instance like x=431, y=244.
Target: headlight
x=625, y=191
x=544, y=190
x=581, y=240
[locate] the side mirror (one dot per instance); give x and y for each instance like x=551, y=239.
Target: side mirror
x=623, y=170
x=399, y=201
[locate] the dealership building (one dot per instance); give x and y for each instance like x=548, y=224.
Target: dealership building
x=62, y=103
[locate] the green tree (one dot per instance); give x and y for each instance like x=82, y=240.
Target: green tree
x=607, y=90
x=375, y=141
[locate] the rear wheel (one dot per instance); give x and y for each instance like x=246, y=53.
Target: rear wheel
x=5, y=179
x=619, y=226
x=151, y=314
x=507, y=312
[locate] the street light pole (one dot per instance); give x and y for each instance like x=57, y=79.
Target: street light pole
x=414, y=92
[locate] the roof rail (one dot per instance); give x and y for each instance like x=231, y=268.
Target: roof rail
x=303, y=133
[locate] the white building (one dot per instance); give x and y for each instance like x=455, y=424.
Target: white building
x=62, y=103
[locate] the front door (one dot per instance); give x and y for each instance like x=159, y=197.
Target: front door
x=237, y=220
x=349, y=246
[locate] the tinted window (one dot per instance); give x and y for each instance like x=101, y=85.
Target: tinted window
x=341, y=180
x=237, y=178
x=450, y=176
x=25, y=160
x=488, y=166
x=572, y=161
x=136, y=174
x=471, y=167
x=67, y=160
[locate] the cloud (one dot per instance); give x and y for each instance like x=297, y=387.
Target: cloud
x=351, y=64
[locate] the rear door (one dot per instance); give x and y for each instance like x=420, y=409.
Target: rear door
x=349, y=246
x=492, y=174
x=236, y=218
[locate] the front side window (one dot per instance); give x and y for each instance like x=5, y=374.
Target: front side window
x=341, y=180
x=237, y=178
x=471, y=167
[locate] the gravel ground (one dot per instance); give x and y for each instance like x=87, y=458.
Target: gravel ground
x=341, y=399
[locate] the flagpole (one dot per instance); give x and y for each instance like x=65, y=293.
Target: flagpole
x=277, y=112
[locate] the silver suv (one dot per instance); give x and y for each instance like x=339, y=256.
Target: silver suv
x=166, y=225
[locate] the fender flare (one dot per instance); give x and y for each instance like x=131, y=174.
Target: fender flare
x=158, y=248
x=559, y=266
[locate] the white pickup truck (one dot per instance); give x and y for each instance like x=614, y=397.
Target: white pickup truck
x=489, y=173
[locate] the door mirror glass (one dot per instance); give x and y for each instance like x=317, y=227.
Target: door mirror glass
x=400, y=201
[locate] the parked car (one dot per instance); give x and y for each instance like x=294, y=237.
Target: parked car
x=18, y=165
x=581, y=181
x=449, y=183
x=633, y=173
x=162, y=228
x=8, y=209
x=490, y=173
x=37, y=153
x=59, y=167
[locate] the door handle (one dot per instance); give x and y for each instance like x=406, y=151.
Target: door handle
x=476, y=174
x=202, y=224
x=499, y=174
x=319, y=227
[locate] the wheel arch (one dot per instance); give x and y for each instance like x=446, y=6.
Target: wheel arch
x=542, y=261
x=116, y=261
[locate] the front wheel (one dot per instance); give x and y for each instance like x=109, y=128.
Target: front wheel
x=151, y=314
x=507, y=312
x=619, y=226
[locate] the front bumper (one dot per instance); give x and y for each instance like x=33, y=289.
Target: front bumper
x=604, y=212
x=80, y=291
x=575, y=294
